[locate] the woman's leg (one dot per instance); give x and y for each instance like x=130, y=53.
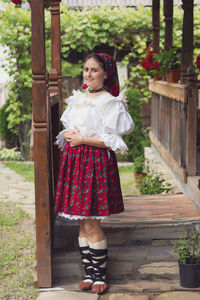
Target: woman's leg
x=98, y=250
x=92, y=229
x=86, y=284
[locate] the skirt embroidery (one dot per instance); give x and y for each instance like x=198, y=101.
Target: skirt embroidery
x=88, y=182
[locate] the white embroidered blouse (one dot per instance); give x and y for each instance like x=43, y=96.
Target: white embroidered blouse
x=104, y=116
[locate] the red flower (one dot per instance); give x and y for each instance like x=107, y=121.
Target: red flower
x=198, y=62
x=150, y=55
x=147, y=48
x=155, y=65
x=17, y=2
x=145, y=64
x=149, y=63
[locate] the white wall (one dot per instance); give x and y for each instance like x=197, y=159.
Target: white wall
x=3, y=78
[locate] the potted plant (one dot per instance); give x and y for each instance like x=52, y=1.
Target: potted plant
x=150, y=64
x=188, y=250
x=169, y=63
x=154, y=184
x=139, y=168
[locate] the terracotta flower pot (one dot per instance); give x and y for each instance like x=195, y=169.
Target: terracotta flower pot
x=157, y=77
x=138, y=177
x=173, y=75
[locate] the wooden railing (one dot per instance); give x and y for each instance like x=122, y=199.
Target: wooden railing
x=174, y=125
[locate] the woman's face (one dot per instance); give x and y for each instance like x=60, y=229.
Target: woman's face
x=93, y=74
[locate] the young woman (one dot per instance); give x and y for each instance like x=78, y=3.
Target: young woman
x=88, y=187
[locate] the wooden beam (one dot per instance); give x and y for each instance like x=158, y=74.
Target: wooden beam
x=171, y=90
x=156, y=25
x=191, y=142
x=41, y=146
x=168, y=18
x=187, y=38
x=172, y=163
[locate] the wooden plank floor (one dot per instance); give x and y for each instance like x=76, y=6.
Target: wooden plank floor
x=156, y=209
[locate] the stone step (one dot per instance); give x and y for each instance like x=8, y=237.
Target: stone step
x=66, y=233
x=130, y=262
x=136, y=250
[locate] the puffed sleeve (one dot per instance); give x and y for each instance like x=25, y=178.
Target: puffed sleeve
x=60, y=140
x=116, y=122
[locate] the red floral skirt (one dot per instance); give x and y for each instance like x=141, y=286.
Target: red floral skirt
x=88, y=183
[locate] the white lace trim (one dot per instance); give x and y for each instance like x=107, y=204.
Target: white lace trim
x=83, y=242
x=61, y=142
x=98, y=245
x=74, y=217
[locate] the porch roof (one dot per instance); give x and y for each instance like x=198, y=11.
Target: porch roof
x=130, y=3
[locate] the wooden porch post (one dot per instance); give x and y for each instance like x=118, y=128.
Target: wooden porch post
x=43, y=275
x=156, y=25
x=187, y=39
x=191, y=140
x=168, y=13
x=55, y=76
x=55, y=72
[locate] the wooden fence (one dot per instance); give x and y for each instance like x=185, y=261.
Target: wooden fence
x=174, y=125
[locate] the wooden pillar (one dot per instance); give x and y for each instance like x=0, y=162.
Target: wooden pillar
x=168, y=18
x=156, y=25
x=43, y=275
x=187, y=38
x=55, y=72
x=191, y=141
x=55, y=75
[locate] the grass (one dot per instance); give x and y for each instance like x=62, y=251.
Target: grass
x=17, y=251
x=26, y=170
x=127, y=181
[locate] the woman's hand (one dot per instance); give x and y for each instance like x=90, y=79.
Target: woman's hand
x=75, y=139
x=69, y=134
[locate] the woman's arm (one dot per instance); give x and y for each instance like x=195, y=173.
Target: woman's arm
x=77, y=139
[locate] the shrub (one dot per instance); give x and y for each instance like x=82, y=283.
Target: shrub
x=139, y=164
x=9, y=137
x=135, y=140
x=154, y=184
x=10, y=154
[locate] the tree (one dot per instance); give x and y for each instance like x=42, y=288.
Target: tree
x=15, y=34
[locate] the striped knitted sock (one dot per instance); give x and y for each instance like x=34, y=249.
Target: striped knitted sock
x=86, y=259
x=98, y=253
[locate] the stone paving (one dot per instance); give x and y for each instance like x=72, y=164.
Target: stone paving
x=13, y=187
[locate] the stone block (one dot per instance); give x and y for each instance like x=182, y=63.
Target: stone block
x=128, y=297
x=168, y=270
x=64, y=295
x=178, y=296
x=71, y=270
x=119, y=270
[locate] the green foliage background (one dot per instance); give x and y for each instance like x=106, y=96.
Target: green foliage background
x=15, y=34
x=82, y=30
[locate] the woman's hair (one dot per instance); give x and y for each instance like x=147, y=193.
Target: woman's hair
x=98, y=59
